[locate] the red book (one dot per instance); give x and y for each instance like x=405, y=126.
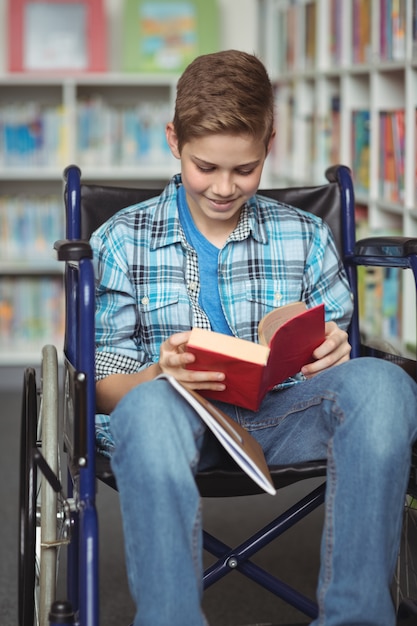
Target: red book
x=288, y=337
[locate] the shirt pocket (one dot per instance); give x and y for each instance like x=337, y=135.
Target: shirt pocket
x=153, y=299
x=270, y=294
x=163, y=308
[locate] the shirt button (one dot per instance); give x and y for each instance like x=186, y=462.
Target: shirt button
x=277, y=296
x=145, y=300
x=193, y=285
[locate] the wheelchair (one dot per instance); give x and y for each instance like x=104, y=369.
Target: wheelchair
x=58, y=506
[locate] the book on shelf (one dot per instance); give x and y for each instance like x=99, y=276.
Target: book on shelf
x=310, y=47
x=291, y=37
x=392, y=30
x=29, y=225
x=166, y=35
x=379, y=291
x=32, y=135
x=361, y=150
x=361, y=220
x=336, y=30
x=288, y=337
x=283, y=147
x=415, y=151
x=361, y=30
x=380, y=303
x=123, y=134
x=334, y=148
x=57, y=36
x=240, y=444
x=414, y=30
x=31, y=311
x=324, y=141
x=391, y=155
x=297, y=36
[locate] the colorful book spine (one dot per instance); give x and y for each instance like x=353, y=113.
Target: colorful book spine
x=361, y=31
x=310, y=47
x=391, y=155
x=361, y=150
x=392, y=30
x=336, y=30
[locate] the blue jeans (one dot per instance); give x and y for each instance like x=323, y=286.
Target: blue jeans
x=361, y=416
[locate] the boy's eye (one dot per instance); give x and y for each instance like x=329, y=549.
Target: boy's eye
x=244, y=172
x=206, y=169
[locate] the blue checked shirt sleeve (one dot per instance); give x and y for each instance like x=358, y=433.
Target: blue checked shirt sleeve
x=325, y=279
x=116, y=309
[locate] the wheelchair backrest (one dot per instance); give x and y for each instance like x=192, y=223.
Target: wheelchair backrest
x=90, y=205
x=100, y=202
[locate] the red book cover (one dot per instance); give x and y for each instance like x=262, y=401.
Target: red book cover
x=289, y=335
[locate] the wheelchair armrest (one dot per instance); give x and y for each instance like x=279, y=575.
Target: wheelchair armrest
x=386, y=251
x=386, y=246
x=73, y=250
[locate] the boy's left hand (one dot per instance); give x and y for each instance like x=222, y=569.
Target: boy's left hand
x=334, y=350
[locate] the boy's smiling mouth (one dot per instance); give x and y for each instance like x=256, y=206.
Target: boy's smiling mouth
x=222, y=203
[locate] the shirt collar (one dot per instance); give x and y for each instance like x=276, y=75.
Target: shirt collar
x=167, y=228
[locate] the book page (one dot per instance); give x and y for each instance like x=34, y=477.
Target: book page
x=276, y=318
x=241, y=446
x=227, y=345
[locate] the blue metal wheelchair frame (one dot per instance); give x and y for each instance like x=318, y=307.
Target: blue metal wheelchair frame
x=79, y=352
x=82, y=570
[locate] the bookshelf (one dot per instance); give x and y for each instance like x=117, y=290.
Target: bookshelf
x=345, y=74
x=112, y=126
x=58, y=113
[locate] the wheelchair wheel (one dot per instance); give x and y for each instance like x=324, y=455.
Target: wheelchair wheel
x=39, y=519
x=27, y=501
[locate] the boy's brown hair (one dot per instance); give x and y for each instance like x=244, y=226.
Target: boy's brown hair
x=224, y=92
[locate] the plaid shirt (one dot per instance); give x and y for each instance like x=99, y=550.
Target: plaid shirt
x=147, y=277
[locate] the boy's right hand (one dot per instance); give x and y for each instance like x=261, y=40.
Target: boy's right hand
x=174, y=358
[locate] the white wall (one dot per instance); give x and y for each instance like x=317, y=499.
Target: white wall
x=238, y=24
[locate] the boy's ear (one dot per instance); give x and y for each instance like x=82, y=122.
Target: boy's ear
x=271, y=141
x=172, y=140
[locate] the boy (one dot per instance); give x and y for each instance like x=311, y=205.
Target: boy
x=209, y=252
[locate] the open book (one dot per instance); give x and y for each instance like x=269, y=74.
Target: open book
x=241, y=446
x=288, y=337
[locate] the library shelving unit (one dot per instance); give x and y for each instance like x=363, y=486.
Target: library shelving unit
x=112, y=126
x=345, y=73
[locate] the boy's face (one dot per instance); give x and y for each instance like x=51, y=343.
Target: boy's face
x=219, y=173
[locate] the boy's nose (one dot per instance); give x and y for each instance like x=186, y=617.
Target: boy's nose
x=224, y=186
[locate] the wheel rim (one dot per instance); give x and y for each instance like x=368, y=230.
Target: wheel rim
x=49, y=518
x=40, y=523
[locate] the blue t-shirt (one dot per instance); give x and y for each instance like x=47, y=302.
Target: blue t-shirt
x=208, y=260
